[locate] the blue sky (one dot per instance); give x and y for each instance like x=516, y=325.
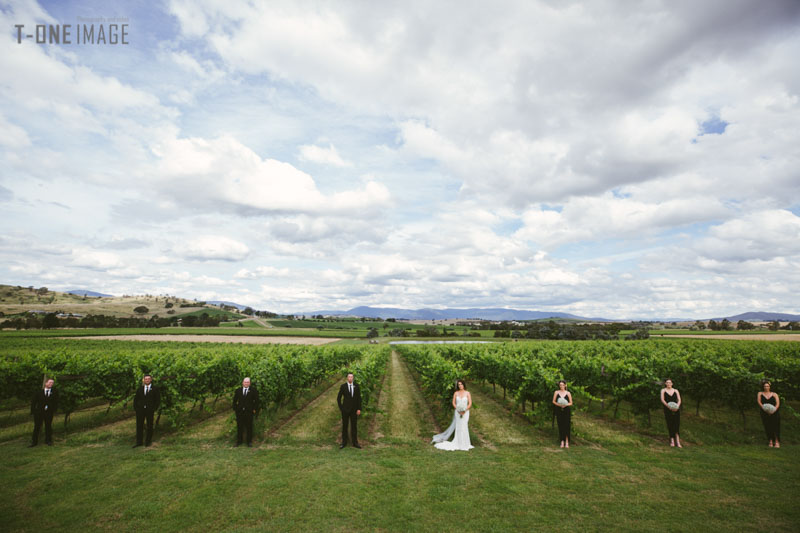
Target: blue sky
x=579, y=157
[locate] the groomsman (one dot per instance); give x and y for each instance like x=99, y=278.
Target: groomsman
x=245, y=405
x=146, y=402
x=349, y=402
x=43, y=406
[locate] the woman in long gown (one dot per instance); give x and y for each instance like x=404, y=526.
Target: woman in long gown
x=673, y=417
x=562, y=400
x=462, y=403
x=771, y=421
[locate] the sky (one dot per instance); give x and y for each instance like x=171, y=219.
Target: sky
x=600, y=158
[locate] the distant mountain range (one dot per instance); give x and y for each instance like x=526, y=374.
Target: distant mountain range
x=448, y=314
x=760, y=316
x=493, y=313
x=514, y=314
x=83, y=292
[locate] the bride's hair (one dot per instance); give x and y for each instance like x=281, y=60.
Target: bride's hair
x=462, y=382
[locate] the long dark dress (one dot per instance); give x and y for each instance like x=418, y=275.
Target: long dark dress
x=563, y=416
x=673, y=418
x=772, y=422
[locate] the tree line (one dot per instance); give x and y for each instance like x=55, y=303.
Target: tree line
x=53, y=321
x=743, y=325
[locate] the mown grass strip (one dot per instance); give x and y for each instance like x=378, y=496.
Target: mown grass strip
x=400, y=488
x=405, y=423
x=316, y=422
x=498, y=423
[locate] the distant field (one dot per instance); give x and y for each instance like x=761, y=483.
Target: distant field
x=244, y=324
x=709, y=332
x=245, y=339
x=363, y=326
x=212, y=311
x=243, y=331
x=762, y=336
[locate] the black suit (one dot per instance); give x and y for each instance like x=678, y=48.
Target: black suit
x=348, y=405
x=42, y=408
x=145, y=406
x=245, y=406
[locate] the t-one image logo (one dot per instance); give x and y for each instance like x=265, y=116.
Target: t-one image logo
x=96, y=30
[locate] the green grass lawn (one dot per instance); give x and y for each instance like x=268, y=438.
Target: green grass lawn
x=244, y=324
x=211, y=311
x=206, y=487
x=618, y=476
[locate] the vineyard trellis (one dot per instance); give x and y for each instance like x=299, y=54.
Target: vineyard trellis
x=188, y=374
x=730, y=372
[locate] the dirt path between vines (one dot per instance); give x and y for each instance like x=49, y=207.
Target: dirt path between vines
x=244, y=339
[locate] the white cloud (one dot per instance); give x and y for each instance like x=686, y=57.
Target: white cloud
x=12, y=136
x=212, y=247
x=324, y=156
x=5, y=194
x=342, y=230
x=262, y=272
x=28, y=269
x=762, y=236
x=225, y=174
x=95, y=259
x=531, y=155
x=592, y=219
x=523, y=119
x=69, y=92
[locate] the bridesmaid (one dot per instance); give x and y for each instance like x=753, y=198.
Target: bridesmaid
x=563, y=412
x=668, y=394
x=772, y=422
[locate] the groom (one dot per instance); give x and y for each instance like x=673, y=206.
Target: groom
x=245, y=405
x=145, y=403
x=349, y=401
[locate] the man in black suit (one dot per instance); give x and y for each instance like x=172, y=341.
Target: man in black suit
x=245, y=405
x=146, y=402
x=349, y=401
x=43, y=405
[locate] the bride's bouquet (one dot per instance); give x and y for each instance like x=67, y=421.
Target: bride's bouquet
x=673, y=406
x=768, y=408
x=562, y=401
x=461, y=411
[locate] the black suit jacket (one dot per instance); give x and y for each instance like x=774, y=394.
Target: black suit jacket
x=42, y=404
x=149, y=403
x=245, y=404
x=348, y=404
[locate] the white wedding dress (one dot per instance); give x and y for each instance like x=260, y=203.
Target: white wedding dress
x=459, y=427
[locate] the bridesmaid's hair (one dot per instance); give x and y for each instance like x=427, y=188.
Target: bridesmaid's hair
x=766, y=382
x=462, y=382
x=560, y=381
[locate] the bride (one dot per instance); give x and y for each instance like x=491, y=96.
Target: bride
x=462, y=403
